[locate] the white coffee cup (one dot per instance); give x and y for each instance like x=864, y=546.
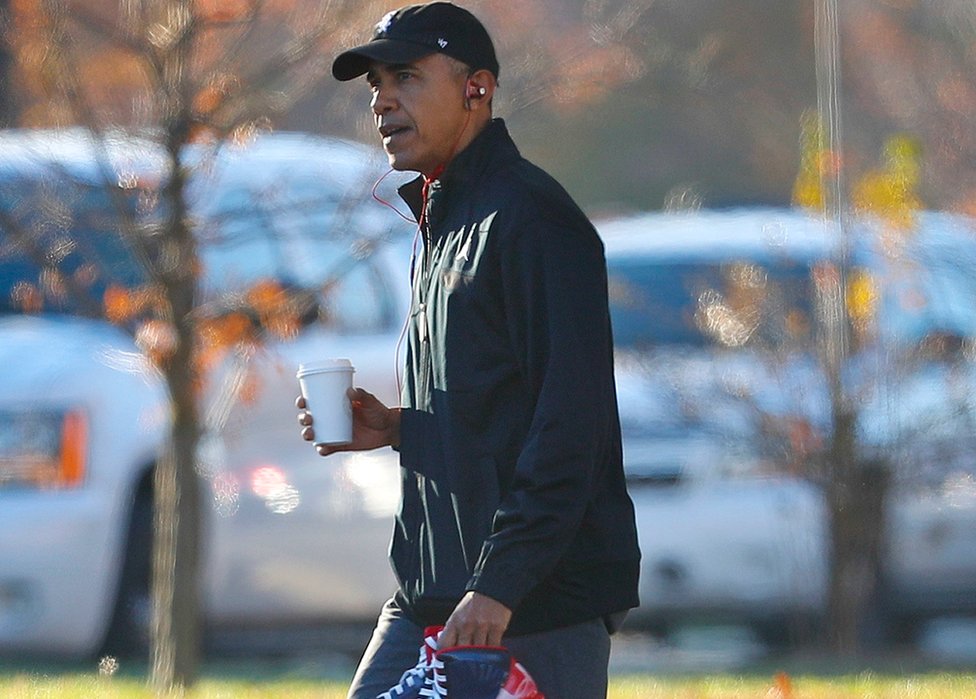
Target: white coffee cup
x=324, y=385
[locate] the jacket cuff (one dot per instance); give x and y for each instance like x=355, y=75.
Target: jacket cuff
x=503, y=586
x=410, y=446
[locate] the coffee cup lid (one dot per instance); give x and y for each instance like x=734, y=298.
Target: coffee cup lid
x=324, y=365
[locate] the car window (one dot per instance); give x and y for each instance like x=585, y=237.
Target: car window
x=360, y=301
x=928, y=279
x=63, y=244
x=665, y=302
x=902, y=288
x=300, y=233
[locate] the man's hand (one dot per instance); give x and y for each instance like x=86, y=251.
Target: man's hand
x=373, y=424
x=478, y=620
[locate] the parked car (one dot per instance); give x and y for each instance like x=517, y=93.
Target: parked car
x=722, y=400
x=289, y=536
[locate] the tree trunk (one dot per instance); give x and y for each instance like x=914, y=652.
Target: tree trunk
x=176, y=626
x=175, y=589
x=855, y=495
x=176, y=620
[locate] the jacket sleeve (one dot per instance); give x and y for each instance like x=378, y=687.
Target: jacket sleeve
x=554, y=286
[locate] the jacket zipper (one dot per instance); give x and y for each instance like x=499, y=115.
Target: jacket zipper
x=422, y=326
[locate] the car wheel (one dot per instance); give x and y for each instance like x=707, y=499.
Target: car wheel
x=128, y=633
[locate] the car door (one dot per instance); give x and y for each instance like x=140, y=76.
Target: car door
x=295, y=536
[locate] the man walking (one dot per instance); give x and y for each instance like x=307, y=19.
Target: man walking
x=515, y=527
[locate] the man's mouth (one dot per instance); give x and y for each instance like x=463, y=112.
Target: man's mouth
x=389, y=133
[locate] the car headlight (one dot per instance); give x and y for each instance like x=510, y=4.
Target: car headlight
x=42, y=448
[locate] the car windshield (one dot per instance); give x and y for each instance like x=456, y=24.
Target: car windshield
x=63, y=245
x=64, y=242
x=929, y=283
x=658, y=303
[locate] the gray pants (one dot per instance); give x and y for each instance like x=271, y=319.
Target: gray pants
x=567, y=663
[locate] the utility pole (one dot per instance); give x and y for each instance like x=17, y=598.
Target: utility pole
x=855, y=488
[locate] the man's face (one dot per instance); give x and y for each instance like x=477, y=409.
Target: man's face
x=419, y=110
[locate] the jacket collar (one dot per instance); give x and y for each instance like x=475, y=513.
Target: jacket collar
x=489, y=149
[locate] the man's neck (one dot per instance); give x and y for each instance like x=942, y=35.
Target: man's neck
x=470, y=132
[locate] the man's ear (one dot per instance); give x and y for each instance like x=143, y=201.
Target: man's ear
x=479, y=87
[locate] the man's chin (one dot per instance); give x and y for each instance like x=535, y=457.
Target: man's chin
x=400, y=164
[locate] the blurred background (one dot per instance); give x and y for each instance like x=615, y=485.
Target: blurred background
x=785, y=189
x=634, y=105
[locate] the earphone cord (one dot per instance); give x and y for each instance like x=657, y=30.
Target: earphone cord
x=384, y=202
x=425, y=195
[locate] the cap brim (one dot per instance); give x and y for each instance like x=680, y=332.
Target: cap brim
x=355, y=62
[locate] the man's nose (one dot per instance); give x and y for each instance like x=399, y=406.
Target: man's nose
x=382, y=101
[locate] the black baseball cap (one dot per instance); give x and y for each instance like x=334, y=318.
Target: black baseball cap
x=416, y=31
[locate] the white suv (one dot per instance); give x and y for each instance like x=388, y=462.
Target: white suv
x=290, y=536
x=714, y=318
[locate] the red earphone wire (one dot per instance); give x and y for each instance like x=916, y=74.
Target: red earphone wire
x=384, y=202
x=425, y=191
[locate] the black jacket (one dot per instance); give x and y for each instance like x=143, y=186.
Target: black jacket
x=513, y=483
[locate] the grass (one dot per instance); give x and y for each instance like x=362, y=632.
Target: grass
x=864, y=685
x=780, y=686
x=711, y=687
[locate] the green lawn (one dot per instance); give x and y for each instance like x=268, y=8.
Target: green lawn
x=31, y=685
x=791, y=676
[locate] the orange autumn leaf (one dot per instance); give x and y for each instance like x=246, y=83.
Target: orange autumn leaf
x=208, y=99
x=227, y=331
x=250, y=388
x=891, y=191
x=27, y=297
x=122, y=304
x=782, y=686
x=207, y=357
x=119, y=304
x=266, y=296
x=808, y=186
x=211, y=97
x=862, y=297
x=284, y=326
x=275, y=308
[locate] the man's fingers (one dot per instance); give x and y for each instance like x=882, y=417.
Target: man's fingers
x=304, y=419
x=470, y=637
x=362, y=400
x=448, y=638
x=300, y=402
x=308, y=434
x=476, y=638
x=476, y=621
